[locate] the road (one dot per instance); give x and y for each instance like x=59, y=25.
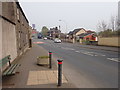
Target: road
x=85, y=67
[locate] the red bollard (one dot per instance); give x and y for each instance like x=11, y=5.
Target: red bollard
x=59, y=72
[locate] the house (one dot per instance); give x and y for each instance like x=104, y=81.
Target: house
x=88, y=36
x=80, y=34
x=74, y=35
x=70, y=34
x=54, y=33
x=78, y=31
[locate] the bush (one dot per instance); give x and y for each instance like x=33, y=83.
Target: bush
x=87, y=42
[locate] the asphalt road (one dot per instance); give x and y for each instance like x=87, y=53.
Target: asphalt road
x=85, y=67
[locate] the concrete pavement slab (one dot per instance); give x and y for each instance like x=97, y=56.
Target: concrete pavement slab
x=44, y=77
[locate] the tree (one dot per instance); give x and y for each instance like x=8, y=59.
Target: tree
x=113, y=23
x=111, y=29
x=44, y=31
x=117, y=23
x=102, y=26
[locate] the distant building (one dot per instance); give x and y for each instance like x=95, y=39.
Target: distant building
x=77, y=35
x=78, y=31
x=74, y=34
x=34, y=33
x=33, y=26
x=54, y=33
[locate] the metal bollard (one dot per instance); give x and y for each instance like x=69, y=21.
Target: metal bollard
x=59, y=72
x=50, y=59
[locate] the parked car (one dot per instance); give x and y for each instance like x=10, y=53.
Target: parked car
x=57, y=40
x=39, y=37
x=45, y=38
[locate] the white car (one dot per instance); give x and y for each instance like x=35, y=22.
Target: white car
x=45, y=38
x=57, y=40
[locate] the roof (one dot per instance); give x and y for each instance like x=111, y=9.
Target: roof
x=89, y=31
x=75, y=31
x=85, y=34
x=70, y=33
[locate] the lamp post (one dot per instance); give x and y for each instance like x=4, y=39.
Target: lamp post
x=65, y=24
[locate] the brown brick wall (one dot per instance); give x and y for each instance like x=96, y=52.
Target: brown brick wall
x=109, y=41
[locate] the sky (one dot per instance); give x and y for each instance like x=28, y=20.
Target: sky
x=69, y=15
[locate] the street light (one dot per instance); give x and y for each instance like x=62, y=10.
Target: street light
x=65, y=24
x=66, y=27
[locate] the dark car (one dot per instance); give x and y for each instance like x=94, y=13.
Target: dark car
x=39, y=36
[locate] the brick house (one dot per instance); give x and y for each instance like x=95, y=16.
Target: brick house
x=54, y=33
x=74, y=35
x=88, y=36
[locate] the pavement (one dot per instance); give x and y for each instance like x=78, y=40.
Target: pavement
x=31, y=75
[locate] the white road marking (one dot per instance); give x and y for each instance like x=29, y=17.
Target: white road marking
x=72, y=49
x=90, y=53
x=100, y=54
x=114, y=59
x=66, y=48
x=81, y=51
x=77, y=51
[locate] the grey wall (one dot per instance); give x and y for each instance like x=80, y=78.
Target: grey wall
x=14, y=33
x=8, y=40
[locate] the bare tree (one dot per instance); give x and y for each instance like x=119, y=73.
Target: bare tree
x=117, y=22
x=113, y=23
x=99, y=26
x=102, y=26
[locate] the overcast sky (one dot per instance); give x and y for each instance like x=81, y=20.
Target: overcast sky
x=73, y=14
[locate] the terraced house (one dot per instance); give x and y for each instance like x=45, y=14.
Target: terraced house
x=14, y=30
